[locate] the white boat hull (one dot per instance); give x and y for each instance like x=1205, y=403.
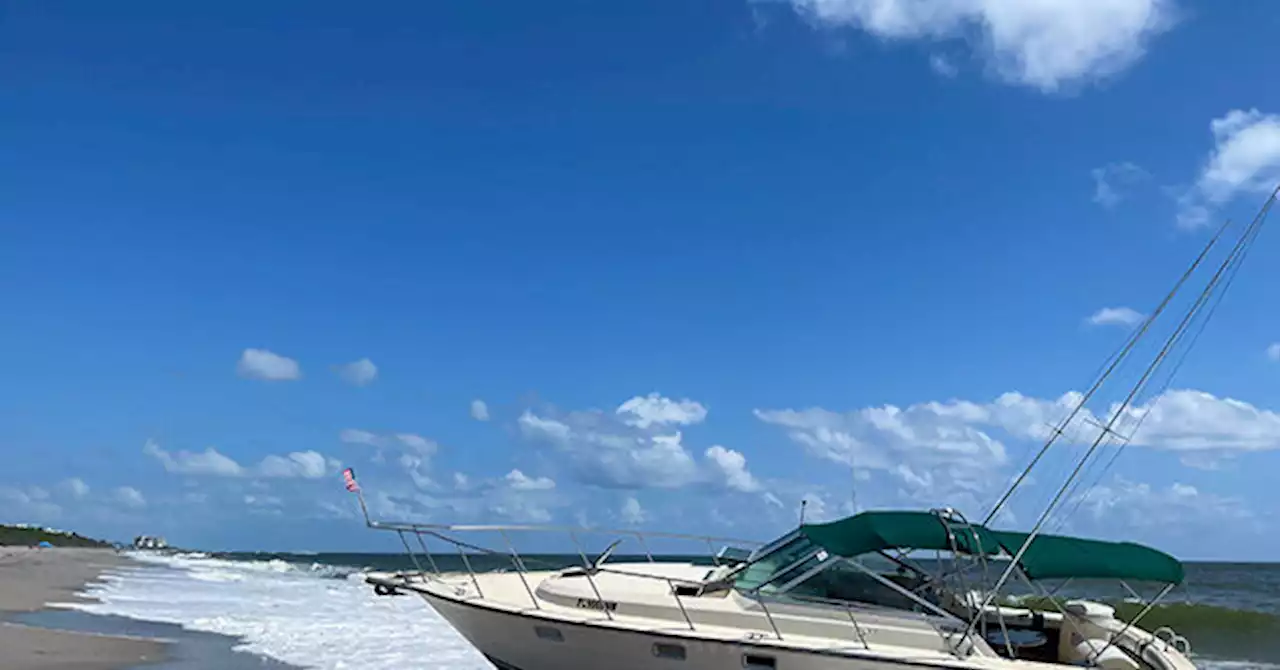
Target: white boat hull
x=512, y=641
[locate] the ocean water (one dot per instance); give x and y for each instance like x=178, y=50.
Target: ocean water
x=315, y=611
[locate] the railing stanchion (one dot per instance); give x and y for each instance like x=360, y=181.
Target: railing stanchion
x=465, y=561
x=520, y=569
x=856, y=628
x=590, y=577
x=430, y=559
x=772, y=624
x=681, y=604
x=648, y=554
x=412, y=557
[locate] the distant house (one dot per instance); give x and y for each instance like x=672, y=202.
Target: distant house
x=149, y=542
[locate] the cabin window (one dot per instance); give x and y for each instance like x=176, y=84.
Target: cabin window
x=549, y=633
x=758, y=662
x=671, y=651
x=687, y=590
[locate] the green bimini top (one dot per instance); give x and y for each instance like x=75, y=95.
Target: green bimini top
x=1048, y=557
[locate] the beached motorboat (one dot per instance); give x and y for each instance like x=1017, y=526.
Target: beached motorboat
x=812, y=599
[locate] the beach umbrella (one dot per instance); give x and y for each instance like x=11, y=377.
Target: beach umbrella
x=45, y=544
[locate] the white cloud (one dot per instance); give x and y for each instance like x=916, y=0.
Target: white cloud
x=519, y=481
x=1273, y=352
x=1116, y=316
x=1110, y=178
x=607, y=453
x=461, y=481
x=262, y=500
x=1123, y=504
x=1246, y=155
x=1245, y=160
x=632, y=513
x=27, y=505
x=417, y=444
x=1047, y=44
x=655, y=410
x=207, y=462
x=479, y=410
x=75, y=487
x=1187, y=420
x=358, y=373
x=409, y=442
x=303, y=464
x=353, y=436
x=731, y=466
x=636, y=446
x=266, y=365
x=943, y=66
x=129, y=497
x=947, y=453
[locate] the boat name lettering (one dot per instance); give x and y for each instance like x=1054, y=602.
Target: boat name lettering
x=592, y=604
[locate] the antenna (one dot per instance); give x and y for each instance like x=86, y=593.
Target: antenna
x=803, y=503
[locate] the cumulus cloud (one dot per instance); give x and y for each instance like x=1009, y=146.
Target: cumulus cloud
x=207, y=462
x=75, y=487
x=1245, y=159
x=353, y=436
x=1129, y=506
x=1048, y=44
x=299, y=464
x=358, y=373
x=266, y=365
x=637, y=446
x=210, y=462
x=1109, y=180
x=943, y=66
x=410, y=442
x=606, y=452
x=26, y=505
x=479, y=410
x=512, y=497
x=731, y=467
x=632, y=513
x=519, y=481
x=949, y=453
x=1246, y=155
x=1116, y=316
x=655, y=410
x=127, y=496
x=1273, y=352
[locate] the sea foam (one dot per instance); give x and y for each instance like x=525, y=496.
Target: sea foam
x=286, y=612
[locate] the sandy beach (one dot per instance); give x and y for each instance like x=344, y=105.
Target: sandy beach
x=31, y=578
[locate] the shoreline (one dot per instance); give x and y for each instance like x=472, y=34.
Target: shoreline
x=32, y=579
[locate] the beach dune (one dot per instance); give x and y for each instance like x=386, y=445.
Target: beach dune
x=32, y=578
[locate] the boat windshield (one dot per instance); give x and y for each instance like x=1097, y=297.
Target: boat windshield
x=779, y=564
x=798, y=567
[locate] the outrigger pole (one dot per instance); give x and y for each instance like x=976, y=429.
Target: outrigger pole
x=1233, y=260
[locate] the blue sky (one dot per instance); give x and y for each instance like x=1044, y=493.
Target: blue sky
x=679, y=265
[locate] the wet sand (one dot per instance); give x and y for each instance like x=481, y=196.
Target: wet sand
x=32, y=578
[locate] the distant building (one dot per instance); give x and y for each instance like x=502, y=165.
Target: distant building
x=149, y=542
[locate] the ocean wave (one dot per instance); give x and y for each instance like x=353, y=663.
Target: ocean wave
x=307, y=614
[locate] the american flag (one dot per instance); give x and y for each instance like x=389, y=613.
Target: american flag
x=349, y=478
